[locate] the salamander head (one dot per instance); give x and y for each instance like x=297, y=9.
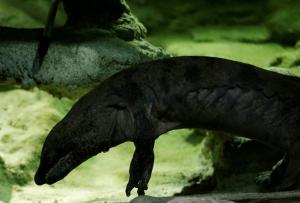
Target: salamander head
x=87, y=130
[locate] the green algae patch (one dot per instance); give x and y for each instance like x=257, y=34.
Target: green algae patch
x=240, y=33
x=6, y=185
x=25, y=119
x=258, y=54
x=238, y=51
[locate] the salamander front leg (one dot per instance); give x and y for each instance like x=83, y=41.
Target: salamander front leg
x=141, y=167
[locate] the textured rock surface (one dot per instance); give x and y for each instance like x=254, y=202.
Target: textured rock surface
x=71, y=63
x=79, y=56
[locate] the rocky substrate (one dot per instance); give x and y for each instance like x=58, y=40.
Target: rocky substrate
x=70, y=63
x=82, y=53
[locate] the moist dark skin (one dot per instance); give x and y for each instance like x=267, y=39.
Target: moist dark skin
x=147, y=100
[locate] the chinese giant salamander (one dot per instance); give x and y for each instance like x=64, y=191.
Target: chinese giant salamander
x=144, y=101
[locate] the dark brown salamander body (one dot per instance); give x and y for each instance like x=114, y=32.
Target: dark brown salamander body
x=147, y=100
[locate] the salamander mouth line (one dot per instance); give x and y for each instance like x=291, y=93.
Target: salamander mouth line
x=63, y=166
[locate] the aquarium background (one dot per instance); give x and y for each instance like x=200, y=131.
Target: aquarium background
x=265, y=33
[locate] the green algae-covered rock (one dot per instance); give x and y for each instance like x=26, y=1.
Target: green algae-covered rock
x=71, y=63
x=78, y=57
x=25, y=119
x=25, y=116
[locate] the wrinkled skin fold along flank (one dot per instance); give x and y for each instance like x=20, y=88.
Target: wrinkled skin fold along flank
x=147, y=100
